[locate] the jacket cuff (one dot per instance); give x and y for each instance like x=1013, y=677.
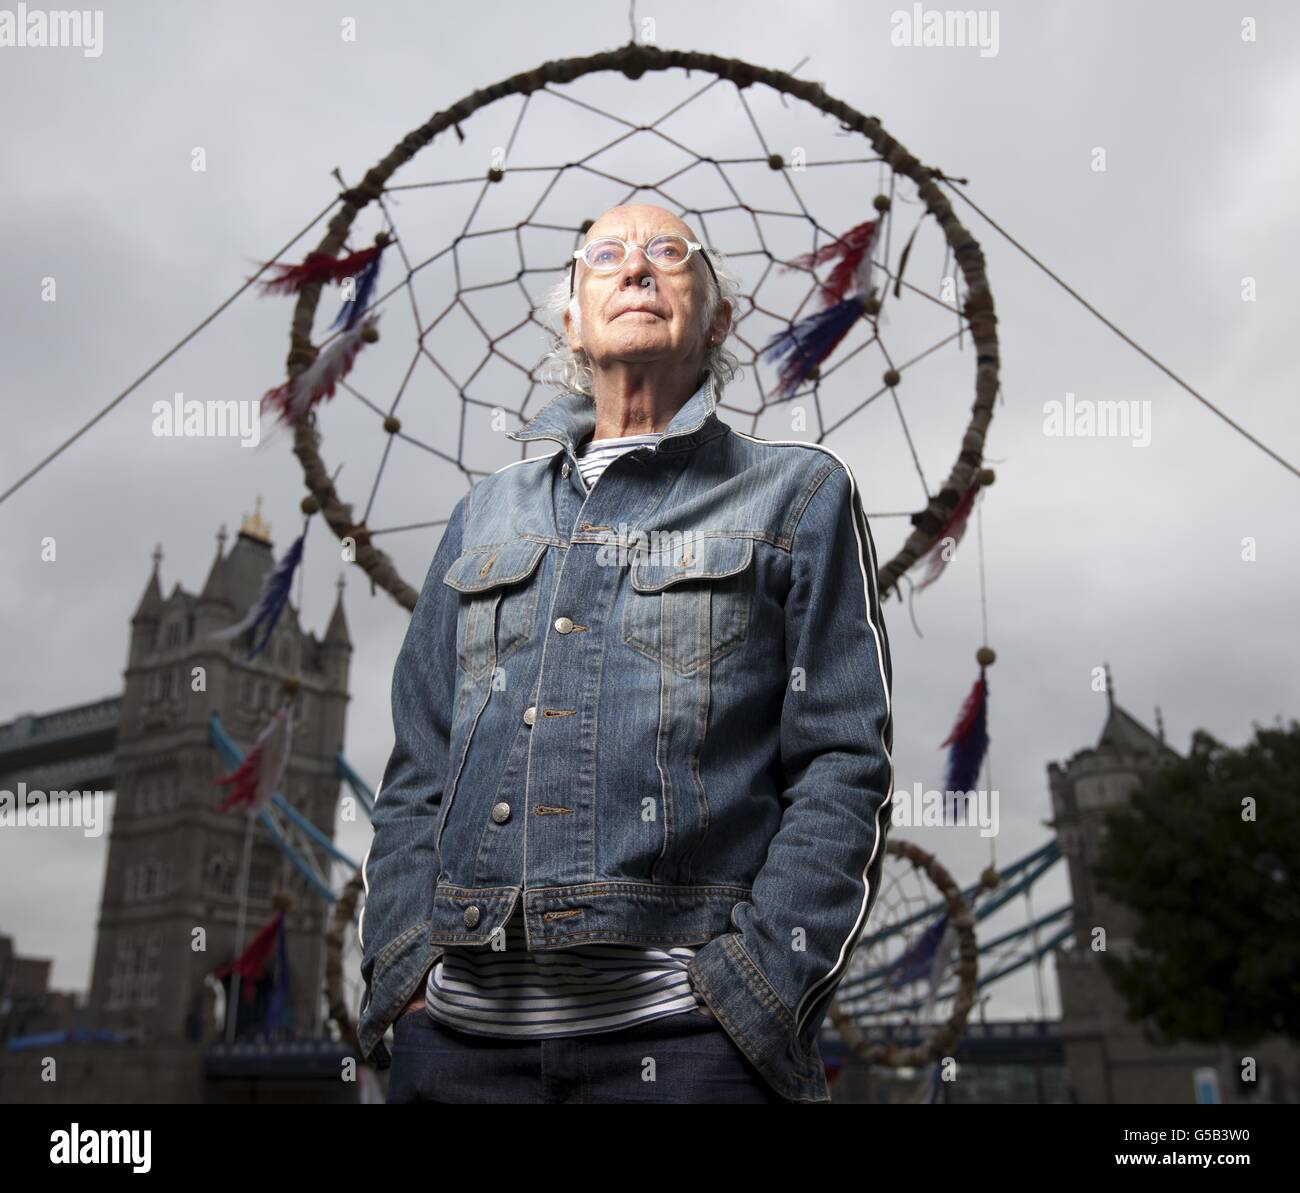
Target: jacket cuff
x=756, y=1019
x=397, y=973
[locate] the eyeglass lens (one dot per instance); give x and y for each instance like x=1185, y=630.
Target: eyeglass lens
x=663, y=251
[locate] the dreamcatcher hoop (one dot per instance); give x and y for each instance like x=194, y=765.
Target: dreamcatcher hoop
x=633, y=61
x=943, y=1041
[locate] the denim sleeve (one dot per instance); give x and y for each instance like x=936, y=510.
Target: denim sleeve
x=811, y=899
x=400, y=867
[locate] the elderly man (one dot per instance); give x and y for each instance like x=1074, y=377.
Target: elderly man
x=635, y=817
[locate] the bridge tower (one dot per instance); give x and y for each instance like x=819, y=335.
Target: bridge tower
x=173, y=859
x=1107, y=1057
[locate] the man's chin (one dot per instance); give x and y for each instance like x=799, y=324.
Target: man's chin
x=639, y=351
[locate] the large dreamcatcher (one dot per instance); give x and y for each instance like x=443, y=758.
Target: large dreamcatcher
x=864, y=311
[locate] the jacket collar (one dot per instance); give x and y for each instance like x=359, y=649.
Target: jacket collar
x=570, y=418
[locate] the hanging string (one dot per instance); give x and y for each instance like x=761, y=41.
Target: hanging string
x=166, y=356
x=939, y=175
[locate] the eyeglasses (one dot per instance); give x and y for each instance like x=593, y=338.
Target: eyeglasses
x=608, y=253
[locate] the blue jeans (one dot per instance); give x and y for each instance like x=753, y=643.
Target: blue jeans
x=684, y=1057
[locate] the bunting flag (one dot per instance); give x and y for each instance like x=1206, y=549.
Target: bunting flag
x=804, y=345
x=271, y=601
x=264, y=982
x=930, y=1096
x=319, y=269
x=251, y=963
x=279, y=1011
x=969, y=738
x=318, y=381
x=917, y=961
x=954, y=528
x=255, y=781
x=939, y=965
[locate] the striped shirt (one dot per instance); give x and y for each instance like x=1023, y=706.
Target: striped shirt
x=566, y=992
x=597, y=454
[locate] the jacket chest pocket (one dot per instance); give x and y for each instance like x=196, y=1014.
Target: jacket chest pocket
x=690, y=605
x=498, y=607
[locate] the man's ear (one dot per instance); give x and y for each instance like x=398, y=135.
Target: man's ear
x=574, y=340
x=721, y=321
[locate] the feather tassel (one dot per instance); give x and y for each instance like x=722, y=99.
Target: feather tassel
x=354, y=306
x=969, y=739
x=270, y=603
x=954, y=528
x=805, y=344
x=318, y=269
x=852, y=274
x=318, y=381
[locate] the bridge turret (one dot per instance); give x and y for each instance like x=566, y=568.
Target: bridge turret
x=147, y=615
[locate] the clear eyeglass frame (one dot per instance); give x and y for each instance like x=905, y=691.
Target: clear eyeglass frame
x=692, y=247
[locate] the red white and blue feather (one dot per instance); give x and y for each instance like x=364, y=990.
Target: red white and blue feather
x=270, y=603
x=969, y=739
x=804, y=345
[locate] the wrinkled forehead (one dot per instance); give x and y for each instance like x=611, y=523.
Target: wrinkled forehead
x=637, y=225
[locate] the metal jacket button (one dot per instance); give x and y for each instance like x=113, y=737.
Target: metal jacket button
x=501, y=812
x=530, y=714
x=564, y=468
x=471, y=917
x=564, y=624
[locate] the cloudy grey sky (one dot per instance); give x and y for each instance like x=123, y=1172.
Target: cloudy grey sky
x=1095, y=549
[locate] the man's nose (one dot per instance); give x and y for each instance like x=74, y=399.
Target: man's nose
x=635, y=267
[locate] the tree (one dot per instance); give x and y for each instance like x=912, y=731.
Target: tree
x=1207, y=855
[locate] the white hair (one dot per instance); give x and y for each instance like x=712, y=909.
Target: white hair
x=569, y=371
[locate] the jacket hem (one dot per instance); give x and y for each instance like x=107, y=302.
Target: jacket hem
x=559, y=917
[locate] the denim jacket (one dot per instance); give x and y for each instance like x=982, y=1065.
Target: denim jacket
x=658, y=713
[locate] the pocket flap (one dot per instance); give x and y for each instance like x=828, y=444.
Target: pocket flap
x=691, y=558
x=481, y=568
